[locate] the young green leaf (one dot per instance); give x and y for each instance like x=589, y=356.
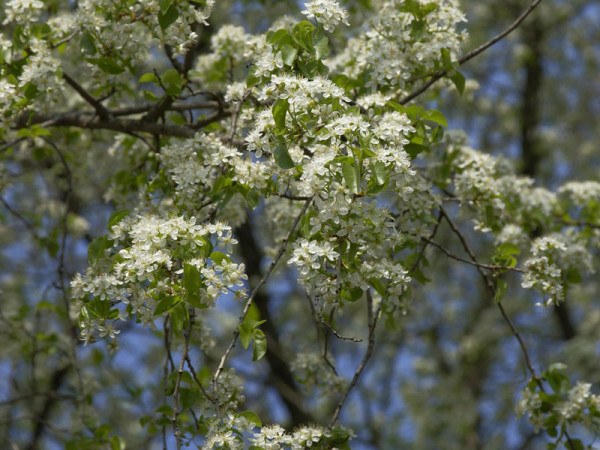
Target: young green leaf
x=259, y=347
x=282, y=157
x=246, y=332
x=459, y=81
x=168, y=17
x=280, y=109
x=501, y=290
x=351, y=176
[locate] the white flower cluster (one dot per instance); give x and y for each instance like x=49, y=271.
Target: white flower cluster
x=39, y=78
x=133, y=29
x=356, y=229
x=144, y=265
x=25, y=11
x=311, y=370
x=398, y=44
x=230, y=41
x=488, y=184
x=552, y=257
x=328, y=13
x=194, y=165
x=227, y=434
x=582, y=193
x=580, y=405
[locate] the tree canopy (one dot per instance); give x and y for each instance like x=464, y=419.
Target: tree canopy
x=279, y=224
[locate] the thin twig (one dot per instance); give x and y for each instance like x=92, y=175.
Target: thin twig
x=491, y=267
x=65, y=39
x=99, y=107
x=431, y=236
x=507, y=319
x=18, y=216
x=264, y=279
x=197, y=380
x=184, y=355
x=236, y=116
x=372, y=319
x=472, y=53
x=492, y=289
x=327, y=325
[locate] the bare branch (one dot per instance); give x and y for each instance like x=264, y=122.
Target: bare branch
x=490, y=267
x=100, y=109
x=184, y=356
x=264, y=279
x=18, y=216
x=372, y=318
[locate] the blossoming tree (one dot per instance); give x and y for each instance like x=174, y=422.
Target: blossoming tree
x=261, y=217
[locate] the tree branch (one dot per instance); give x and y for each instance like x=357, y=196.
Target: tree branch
x=372, y=319
x=472, y=53
x=100, y=109
x=250, y=300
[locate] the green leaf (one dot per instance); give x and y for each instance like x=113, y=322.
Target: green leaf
x=557, y=381
x=288, y=54
x=321, y=47
x=414, y=150
x=378, y=286
x=280, y=109
x=166, y=304
x=149, y=95
x=380, y=171
x=282, y=157
x=173, y=80
x=252, y=78
x=221, y=183
x=168, y=17
x=246, y=332
x=459, y=81
x=308, y=69
x=97, y=247
x=219, y=257
x=117, y=443
x=116, y=217
x=302, y=34
x=447, y=60
x=251, y=417
x=573, y=275
x=352, y=295
x=275, y=36
x=574, y=444
x=109, y=66
x=436, y=116
x=148, y=78
x=164, y=4
x=259, y=348
x=252, y=198
x=165, y=410
x=192, y=282
x=30, y=90
x=501, y=290
x=351, y=176
x=87, y=43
